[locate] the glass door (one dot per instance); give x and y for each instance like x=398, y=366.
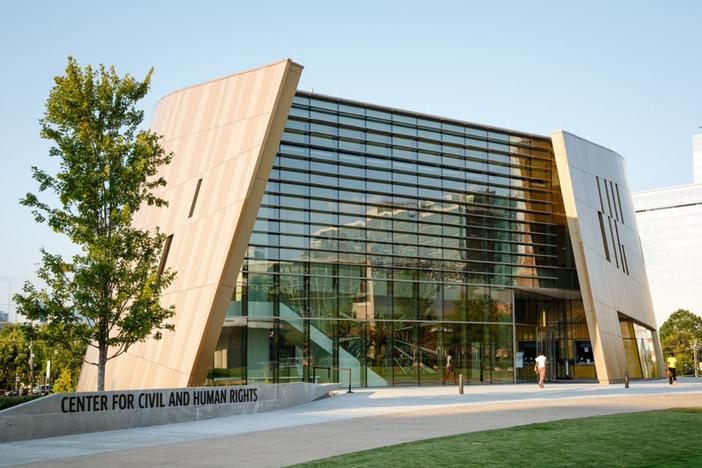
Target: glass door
x=546, y=345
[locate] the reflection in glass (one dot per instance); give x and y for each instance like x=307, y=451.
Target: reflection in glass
x=323, y=345
x=352, y=351
x=429, y=353
x=260, y=351
x=379, y=358
x=386, y=241
x=405, y=354
x=292, y=359
x=261, y=295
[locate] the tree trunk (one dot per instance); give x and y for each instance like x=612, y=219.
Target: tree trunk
x=102, y=362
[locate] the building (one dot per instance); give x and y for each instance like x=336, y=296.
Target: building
x=697, y=158
x=317, y=238
x=671, y=237
x=4, y=316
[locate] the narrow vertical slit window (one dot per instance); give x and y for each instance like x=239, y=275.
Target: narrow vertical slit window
x=626, y=263
x=604, y=236
x=614, y=242
x=621, y=246
x=609, y=203
x=619, y=201
x=197, y=192
x=164, y=255
x=614, y=202
x=599, y=193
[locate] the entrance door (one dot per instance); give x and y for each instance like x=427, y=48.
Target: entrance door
x=546, y=344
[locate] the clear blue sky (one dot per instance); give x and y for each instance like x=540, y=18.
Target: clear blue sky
x=624, y=74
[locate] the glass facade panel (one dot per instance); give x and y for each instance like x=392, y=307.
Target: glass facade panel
x=323, y=346
x=405, y=353
x=379, y=357
x=293, y=361
x=429, y=335
x=647, y=352
x=261, y=295
x=502, y=365
x=387, y=241
x=352, y=351
x=261, y=351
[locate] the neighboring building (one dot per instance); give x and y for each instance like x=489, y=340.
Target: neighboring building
x=697, y=158
x=670, y=223
x=3, y=319
x=312, y=232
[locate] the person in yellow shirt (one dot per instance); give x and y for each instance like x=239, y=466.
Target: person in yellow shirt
x=672, y=364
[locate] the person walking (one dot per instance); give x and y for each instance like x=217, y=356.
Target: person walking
x=450, y=373
x=672, y=371
x=540, y=368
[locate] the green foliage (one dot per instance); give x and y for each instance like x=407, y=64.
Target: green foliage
x=14, y=356
x=66, y=383
x=64, y=354
x=108, y=295
x=9, y=401
x=677, y=334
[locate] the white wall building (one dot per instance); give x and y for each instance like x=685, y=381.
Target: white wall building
x=697, y=158
x=670, y=225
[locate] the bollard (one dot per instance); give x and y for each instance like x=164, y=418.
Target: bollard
x=460, y=384
x=626, y=380
x=349, y=381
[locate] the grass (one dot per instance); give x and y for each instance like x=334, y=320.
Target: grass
x=654, y=438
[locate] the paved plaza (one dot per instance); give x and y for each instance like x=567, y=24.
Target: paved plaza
x=344, y=423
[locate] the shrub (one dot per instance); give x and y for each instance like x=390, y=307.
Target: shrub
x=10, y=401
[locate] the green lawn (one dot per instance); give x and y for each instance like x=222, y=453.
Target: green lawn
x=634, y=439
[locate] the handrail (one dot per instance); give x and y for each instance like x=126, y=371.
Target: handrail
x=314, y=372
x=329, y=369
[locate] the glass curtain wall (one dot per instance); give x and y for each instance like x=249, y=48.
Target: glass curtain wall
x=388, y=240
x=556, y=327
x=641, y=361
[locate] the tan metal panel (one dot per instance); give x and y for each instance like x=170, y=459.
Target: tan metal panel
x=226, y=132
x=606, y=286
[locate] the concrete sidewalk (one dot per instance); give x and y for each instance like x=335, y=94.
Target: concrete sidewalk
x=346, y=423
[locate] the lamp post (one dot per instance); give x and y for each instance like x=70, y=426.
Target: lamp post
x=31, y=366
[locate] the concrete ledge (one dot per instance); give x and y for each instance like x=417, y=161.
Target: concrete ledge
x=75, y=413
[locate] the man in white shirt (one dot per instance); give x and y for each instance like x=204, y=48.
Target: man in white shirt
x=540, y=368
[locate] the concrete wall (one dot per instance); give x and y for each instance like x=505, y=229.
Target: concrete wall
x=75, y=413
x=595, y=186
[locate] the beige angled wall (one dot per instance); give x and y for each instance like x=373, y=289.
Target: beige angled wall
x=608, y=286
x=225, y=132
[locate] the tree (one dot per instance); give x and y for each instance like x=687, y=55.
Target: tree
x=677, y=334
x=16, y=343
x=14, y=355
x=108, y=295
x=63, y=354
